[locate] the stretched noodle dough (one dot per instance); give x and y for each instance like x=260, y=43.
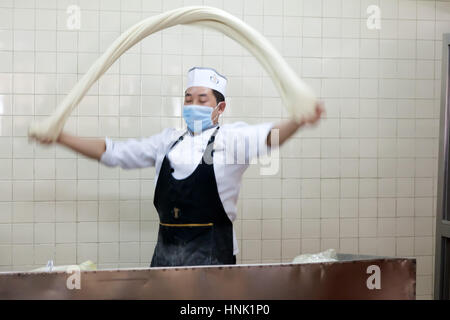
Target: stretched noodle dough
x=297, y=97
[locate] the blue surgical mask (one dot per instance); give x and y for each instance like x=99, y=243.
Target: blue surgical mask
x=198, y=118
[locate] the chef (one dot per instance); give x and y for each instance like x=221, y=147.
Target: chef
x=198, y=171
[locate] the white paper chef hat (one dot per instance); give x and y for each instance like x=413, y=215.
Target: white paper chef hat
x=206, y=77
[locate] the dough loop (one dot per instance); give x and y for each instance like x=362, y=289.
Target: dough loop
x=297, y=97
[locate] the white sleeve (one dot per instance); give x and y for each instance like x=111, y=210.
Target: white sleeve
x=133, y=153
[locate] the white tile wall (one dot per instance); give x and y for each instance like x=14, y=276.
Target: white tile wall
x=363, y=181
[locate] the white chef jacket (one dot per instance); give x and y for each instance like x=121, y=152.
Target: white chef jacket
x=236, y=145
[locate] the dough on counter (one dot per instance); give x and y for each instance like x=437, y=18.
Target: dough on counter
x=329, y=255
x=297, y=97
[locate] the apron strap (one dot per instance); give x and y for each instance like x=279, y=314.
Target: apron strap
x=213, y=136
x=211, y=139
x=178, y=140
x=209, y=147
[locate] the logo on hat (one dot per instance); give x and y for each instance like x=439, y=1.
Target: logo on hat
x=214, y=79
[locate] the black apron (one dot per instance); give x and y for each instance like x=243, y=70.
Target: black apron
x=194, y=228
